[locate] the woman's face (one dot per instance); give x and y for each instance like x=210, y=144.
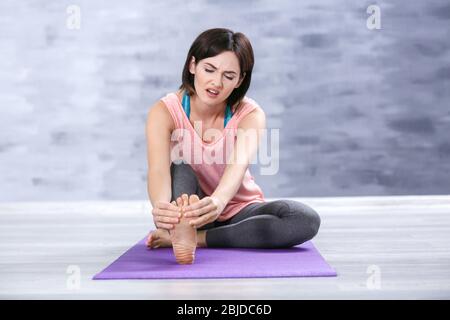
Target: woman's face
x=220, y=73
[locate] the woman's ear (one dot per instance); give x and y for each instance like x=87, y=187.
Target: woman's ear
x=192, y=65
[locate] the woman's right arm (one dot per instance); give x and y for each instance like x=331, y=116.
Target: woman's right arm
x=158, y=130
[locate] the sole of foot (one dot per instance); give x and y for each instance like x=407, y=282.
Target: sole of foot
x=184, y=236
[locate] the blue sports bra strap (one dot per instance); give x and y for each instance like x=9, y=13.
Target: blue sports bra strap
x=228, y=115
x=186, y=104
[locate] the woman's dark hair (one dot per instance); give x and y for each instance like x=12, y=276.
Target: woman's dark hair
x=213, y=42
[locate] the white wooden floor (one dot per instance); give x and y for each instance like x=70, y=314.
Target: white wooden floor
x=381, y=247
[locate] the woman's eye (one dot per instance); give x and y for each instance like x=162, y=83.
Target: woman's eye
x=207, y=70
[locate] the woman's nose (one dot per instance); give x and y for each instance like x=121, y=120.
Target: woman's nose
x=217, y=82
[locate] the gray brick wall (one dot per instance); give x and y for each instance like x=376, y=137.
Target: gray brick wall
x=360, y=112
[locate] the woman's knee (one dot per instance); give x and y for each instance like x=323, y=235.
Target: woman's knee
x=308, y=219
x=183, y=179
x=181, y=168
x=314, y=222
x=183, y=173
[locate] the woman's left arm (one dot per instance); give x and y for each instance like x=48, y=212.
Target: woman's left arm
x=248, y=137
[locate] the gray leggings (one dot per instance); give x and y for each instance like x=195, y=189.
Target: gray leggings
x=273, y=224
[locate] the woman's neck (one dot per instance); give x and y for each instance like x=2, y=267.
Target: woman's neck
x=206, y=112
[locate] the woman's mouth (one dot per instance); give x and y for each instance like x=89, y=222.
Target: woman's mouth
x=212, y=93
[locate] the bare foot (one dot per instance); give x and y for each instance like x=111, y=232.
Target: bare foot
x=184, y=236
x=159, y=238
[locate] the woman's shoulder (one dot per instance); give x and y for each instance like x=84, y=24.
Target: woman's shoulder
x=249, y=105
x=250, y=101
x=179, y=93
x=169, y=96
x=160, y=113
x=251, y=116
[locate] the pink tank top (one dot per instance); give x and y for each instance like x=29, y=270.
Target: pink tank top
x=208, y=160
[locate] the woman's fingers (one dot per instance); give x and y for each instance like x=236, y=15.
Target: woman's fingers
x=166, y=219
x=201, y=221
x=167, y=210
x=166, y=226
x=201, y=211
x=170, y=212
x=168, y=206
x=203, y=202
x=165, y=213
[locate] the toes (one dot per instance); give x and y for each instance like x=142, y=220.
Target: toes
x=179, y=202
x=154, y=236
x=149, y=240
x=185, y=200
x=193, y=198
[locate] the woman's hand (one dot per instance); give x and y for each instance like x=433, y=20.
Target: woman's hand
x=166, y=214
x=204, y=211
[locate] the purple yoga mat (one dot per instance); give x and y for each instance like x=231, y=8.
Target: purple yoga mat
x=139, y=262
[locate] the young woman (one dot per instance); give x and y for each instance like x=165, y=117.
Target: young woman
x=215, y=203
